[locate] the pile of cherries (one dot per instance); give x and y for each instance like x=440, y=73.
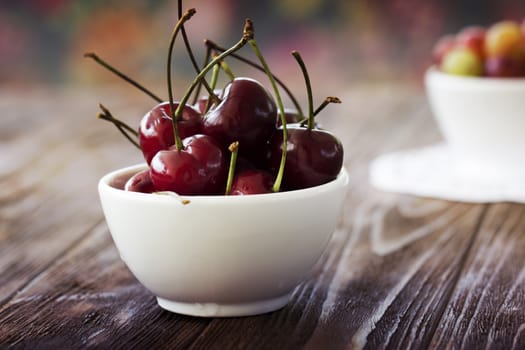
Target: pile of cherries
x=495, y=51
x=233, y=141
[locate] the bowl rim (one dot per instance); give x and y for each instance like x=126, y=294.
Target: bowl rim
x=435, y=74
x=341, y=181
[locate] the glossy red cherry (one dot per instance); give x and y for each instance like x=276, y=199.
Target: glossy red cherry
x=244, y=164
x=202, y=102
x=247, y=114
x=291, y=115
x=313, y=157
x=252, y=181
x=156, y=128
x=140, y=182
x=197, y=169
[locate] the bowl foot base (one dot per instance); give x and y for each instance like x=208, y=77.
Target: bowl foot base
x=224, y=310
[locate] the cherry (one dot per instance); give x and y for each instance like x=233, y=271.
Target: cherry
x=505, y=66
x=473, y=38
x=212, y=45
x=291, y=115
x=252, y=181
x=198, y=168
x=248, y=180
x=247, y=114
x=245, y=164
x=314, y=157
x=202, y=102
x=156, y=128
x=195, y=165
x=442, y=47
x=208, y=152
x=184, y=144
x=140, y=182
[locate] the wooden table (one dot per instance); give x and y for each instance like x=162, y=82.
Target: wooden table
x=400, y=272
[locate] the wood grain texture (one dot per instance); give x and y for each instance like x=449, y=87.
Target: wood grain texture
x=50, y=166
x=399, y=272
x=487, y=309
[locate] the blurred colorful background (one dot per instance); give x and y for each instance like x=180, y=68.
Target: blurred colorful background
x=42, y=41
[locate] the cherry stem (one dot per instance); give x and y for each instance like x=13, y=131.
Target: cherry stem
x=326, y=102
x=206, y=60
x=120, y=125
x=234, y=149
x=226, y=68
x=299, y=59
x=187, y=15
x=249, y=62
x=122, y=75
x=214, y=77
x=191, y=55
x=247, y=35
x=279, y=178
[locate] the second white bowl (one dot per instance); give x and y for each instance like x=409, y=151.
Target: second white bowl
x=482, y=120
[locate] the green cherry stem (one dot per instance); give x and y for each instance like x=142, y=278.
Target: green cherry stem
x=234, y=149
x=121, y=75
x=191, y=55
x=207, y=57
x=109, y=115
x=326, y=102
x=213, y=83
x=187, y=15
x=215, y=46
x=226, y=68
x=215, y=75
x=299, y=59
x=279, y=178
x=120, y=125
x=247, y=35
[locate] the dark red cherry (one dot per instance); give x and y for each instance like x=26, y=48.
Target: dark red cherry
x=314, y=157
x=197, y=169
x=202, y=102
x=247, y=114
x=140, y=182
x=209, y=153
x=156, y=128
x=291, y=115
x=505, y=67
x=244, y=164
x=252, y=181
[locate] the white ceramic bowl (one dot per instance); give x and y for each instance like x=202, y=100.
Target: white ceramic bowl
x=481, y=119
x=221, y=255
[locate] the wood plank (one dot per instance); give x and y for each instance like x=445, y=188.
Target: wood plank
x=51, y=161
x=89, y=299
x=394, y=275
x=487, y=309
